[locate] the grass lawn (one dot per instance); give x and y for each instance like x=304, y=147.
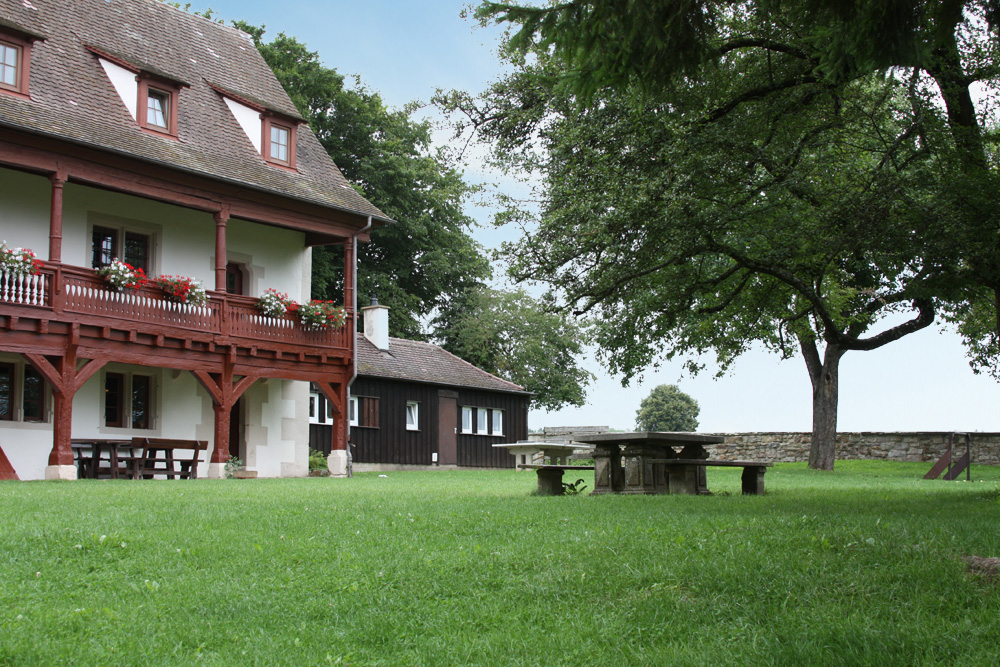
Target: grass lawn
x=861, y=566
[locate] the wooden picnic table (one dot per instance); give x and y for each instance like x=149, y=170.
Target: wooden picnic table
x=137, y=458
x=661, y=462
x=101, y=457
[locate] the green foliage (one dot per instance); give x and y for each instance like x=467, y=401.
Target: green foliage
x=419, y=568
x=667, y=408
x=427, y=258
x=518, y=338
x=317, y=460
x=783, y=55
x=233, y=463
x=716, y=174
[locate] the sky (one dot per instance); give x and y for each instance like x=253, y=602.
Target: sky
x=405, y=49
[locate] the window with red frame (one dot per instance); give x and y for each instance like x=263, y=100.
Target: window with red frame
x=158, y=105
x=10, y=65
x=279, y=141
x=14, y=63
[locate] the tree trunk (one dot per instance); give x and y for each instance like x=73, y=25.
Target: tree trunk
x=825, y=376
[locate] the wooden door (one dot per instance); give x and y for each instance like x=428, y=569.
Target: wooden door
x=447, y=428
x=235, y=422
x=235, y=284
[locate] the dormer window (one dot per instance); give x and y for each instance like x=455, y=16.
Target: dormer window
x=279, y=143
x=278, y=140
x=157, y=108
x=150, y=98
x=10, y=59
x=15, y=55
x=157, y=105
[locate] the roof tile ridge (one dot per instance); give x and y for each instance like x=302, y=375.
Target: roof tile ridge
x=477, y=368
x=192, y=16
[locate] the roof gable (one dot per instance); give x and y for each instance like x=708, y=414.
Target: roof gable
x=72, y=97
x=423, y=362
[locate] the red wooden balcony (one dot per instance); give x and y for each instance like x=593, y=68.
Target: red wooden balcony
x=77, y=295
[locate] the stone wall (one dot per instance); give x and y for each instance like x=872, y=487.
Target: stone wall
x=775, y=447
x=909, y=446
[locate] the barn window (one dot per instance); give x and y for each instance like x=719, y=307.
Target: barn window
x=363, y=411
x=352, y=410
x=412, y=416
x=497, y=422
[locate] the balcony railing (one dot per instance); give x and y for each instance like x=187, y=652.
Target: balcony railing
x=84, y=294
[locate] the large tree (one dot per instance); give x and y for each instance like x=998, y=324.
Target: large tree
x=425, y=260
x=714, y=174
x=521, y=339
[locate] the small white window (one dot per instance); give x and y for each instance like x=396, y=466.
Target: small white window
x=279, y=143
x=497, y=422
x=157, y=108
x=412, y=416
x=9, y=57
x=466, y=420
x=481, y=415
x=314, y=409
x=352, y=411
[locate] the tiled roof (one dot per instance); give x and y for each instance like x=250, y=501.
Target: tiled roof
x=73, y=99
x=424, y=362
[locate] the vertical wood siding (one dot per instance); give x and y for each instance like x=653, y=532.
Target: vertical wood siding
x=392, y=443
x=478, y=450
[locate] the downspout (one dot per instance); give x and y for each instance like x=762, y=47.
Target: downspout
x=354, y=337
x=354, y=306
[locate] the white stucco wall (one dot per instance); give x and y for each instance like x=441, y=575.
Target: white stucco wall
x=125, y=84
x=275, y=416
x=24, y=220
x=249, y=120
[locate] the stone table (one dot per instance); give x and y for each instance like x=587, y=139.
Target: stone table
x=525, y=451
x=640, y=475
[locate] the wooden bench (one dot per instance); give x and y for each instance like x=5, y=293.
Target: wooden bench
x=163, y=456
x=687, y=475
x=550, y=477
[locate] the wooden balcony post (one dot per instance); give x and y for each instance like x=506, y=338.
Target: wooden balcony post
x=65, y=379
x=62, y=426
x=55, y=218
x=224, y=392
x=336, y=394
x=221, y=218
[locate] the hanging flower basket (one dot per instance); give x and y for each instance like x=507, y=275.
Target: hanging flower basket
x=122, y=276
x=18, y=261
x=320, y=315
x=182, y=289
x=273, y=303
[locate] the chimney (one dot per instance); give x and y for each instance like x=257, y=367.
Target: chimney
x=376, y=319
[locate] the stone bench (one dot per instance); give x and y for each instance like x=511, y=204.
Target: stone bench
x=550, y=477
x=688, y=475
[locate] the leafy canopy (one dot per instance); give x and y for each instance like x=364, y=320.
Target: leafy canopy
x=716, y=174
x=667, y=408
x=427, y=258
x=520, y=339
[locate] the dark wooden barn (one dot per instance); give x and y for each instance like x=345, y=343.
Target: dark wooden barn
x=414, y=404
